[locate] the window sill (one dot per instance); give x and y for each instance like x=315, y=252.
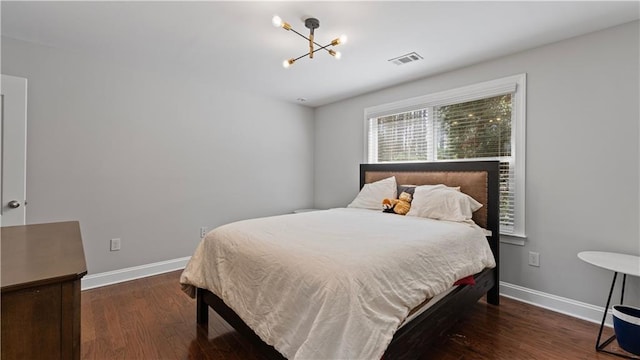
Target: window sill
x=513, y=240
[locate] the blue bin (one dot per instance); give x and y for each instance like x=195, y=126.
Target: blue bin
x=626, y=323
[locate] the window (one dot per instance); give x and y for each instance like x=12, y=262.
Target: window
x=479, y=122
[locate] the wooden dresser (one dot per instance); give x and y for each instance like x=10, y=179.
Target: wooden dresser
x=42, y=265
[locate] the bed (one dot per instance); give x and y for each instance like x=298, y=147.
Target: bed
x=406, y=340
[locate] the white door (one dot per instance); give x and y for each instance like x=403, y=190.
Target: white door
x=13, y=142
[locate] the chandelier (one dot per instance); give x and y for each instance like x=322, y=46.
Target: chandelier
x=311, y=24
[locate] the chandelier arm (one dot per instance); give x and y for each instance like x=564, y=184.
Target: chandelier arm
x=315, y=50
x=299, y=34
x=323, y=47
x=300, y=57
x=306, y=38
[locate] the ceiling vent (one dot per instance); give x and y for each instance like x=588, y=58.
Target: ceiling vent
x=405, y=59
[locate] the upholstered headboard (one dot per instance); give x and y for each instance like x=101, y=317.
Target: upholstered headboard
x=479, y=179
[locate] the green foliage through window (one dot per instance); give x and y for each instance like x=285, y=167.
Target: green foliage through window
x=475, y=129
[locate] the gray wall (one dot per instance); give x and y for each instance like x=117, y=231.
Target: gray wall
x=582, y=188
x=150, y=156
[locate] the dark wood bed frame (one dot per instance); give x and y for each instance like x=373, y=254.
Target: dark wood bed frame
x=414, y=338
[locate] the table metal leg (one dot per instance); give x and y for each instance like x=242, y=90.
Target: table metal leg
x=601, y=347
x=624, y=280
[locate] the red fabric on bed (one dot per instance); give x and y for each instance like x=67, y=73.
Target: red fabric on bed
x=469, y=280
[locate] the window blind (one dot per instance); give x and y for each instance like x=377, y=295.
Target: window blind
x=401, y=137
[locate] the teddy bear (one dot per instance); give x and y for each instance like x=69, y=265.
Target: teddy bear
x=400, y=206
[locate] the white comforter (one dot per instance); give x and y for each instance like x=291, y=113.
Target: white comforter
x=333, y=284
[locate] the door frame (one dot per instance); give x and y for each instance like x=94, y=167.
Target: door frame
x=13, y=145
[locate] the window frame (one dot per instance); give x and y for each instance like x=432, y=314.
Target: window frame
x=516, y=85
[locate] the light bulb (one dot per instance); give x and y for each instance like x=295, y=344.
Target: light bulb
x=276, y=21
x=338, y=55
x=287, y=63
x=341, y=40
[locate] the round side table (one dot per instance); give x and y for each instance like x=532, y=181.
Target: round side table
x=618, y=263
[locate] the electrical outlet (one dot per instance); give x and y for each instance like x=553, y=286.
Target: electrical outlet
x=203, y=231
x=115, y=244
x=534, y=258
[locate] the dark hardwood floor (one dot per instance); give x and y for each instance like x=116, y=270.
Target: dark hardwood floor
x=152, y=318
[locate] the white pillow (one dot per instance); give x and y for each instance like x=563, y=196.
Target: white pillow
x=442, y=203
x=371, y=195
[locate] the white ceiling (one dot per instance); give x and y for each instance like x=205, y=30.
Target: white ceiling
x=235, y=45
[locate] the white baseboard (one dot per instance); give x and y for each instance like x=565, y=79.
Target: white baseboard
x=556, y=303
x=132, y=273
x=551, y=302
